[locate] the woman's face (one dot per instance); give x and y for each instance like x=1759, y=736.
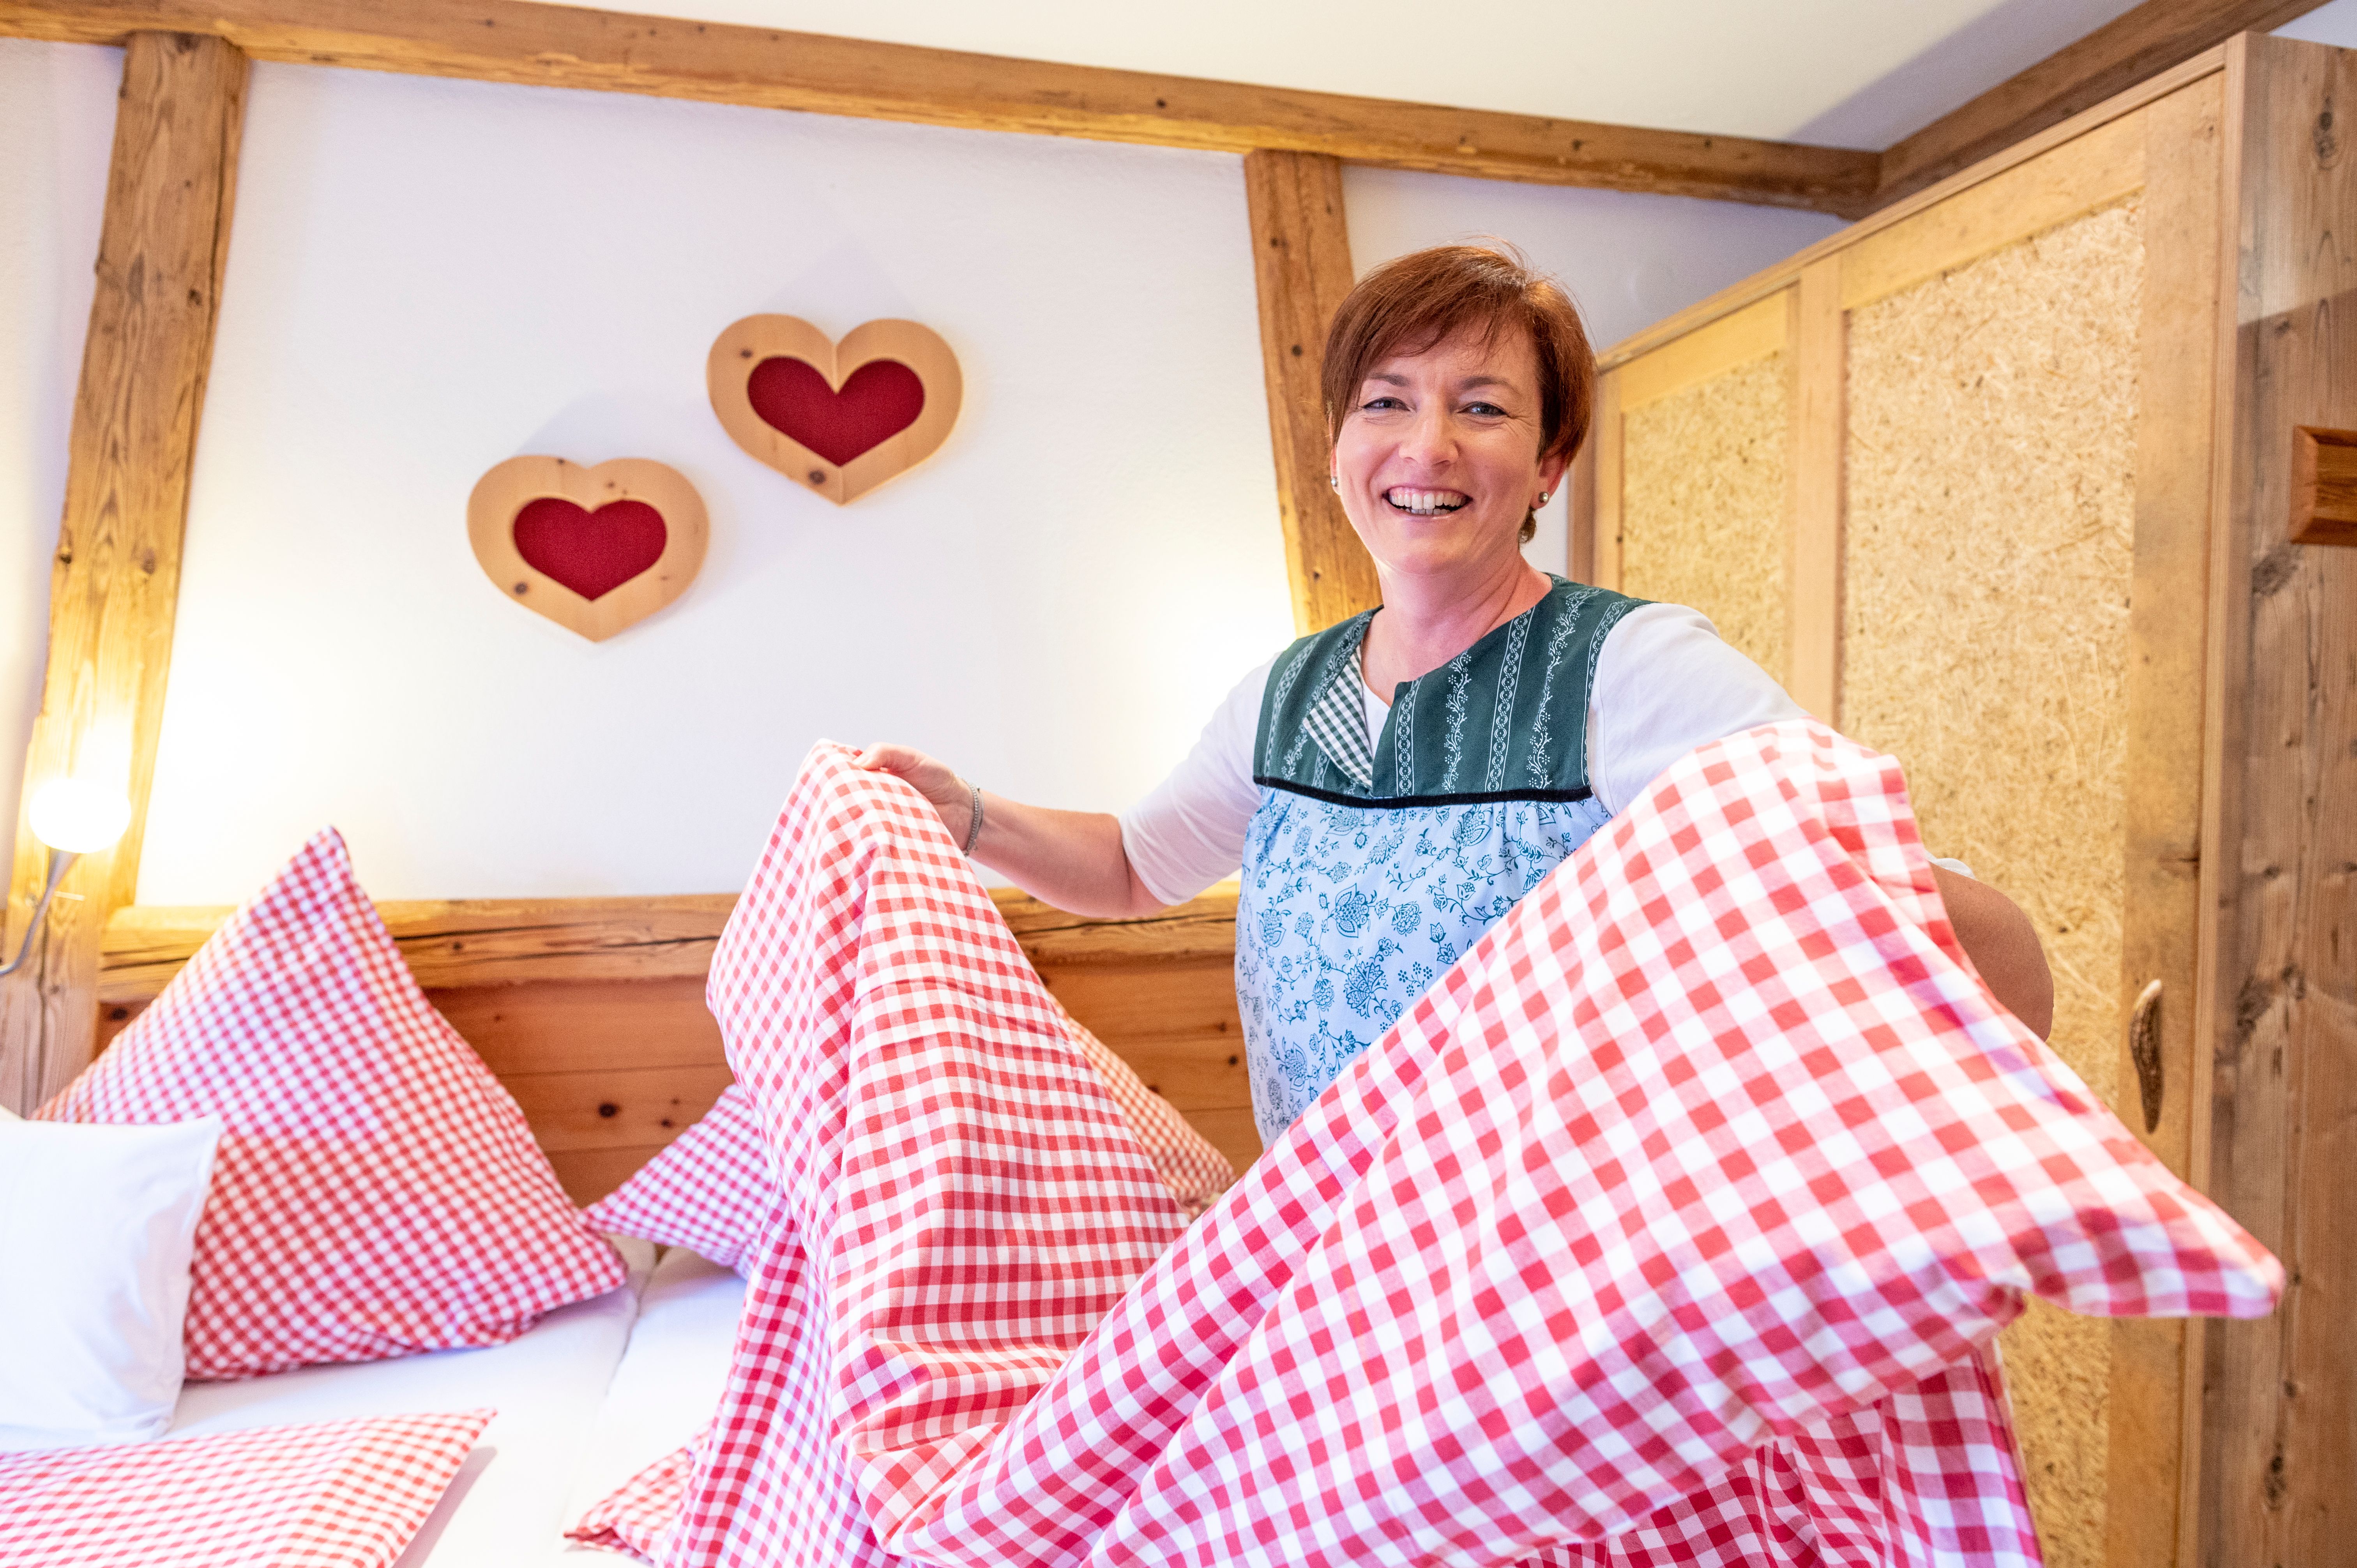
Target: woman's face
x=1438, y=462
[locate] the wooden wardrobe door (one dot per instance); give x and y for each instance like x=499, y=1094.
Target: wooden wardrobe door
x=2148, y=1518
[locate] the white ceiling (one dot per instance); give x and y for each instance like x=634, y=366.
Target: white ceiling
x=1858, y=73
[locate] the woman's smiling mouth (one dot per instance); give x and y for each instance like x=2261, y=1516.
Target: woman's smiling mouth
x=1426, y=503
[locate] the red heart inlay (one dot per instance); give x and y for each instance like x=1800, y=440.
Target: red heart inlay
x=881, y=399
x=591, y=552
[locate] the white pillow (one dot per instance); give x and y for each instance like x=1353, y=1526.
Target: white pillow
x=96, y=1224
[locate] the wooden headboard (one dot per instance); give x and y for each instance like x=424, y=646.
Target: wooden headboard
x=591, y=1010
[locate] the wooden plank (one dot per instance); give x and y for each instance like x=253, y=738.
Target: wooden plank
x=1611, y=481
x=566, y=46
x=2090, y=171
x=615, y=1107
x=583, y=1026
x=465, y=943
x=1202, y=928
x=2279, y=1015
x=1819, y=372
x=2128, y=49
x=461, y=941
x=589, y=1175
x=2161, y=903
x=1176, y=1024
x=1301, y=266
x=2323, y=486
x=1752, y=333
x=116, y=575
x=1768, y=281
x=1579, y=529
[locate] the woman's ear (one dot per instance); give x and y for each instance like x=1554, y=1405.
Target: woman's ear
x=1551, y=471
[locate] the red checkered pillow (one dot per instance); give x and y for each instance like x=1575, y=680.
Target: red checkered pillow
x=376, y=1191
x=342, y=1494
x=711, y=1191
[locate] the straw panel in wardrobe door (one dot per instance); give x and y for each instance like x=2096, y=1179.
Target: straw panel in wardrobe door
x=1705, y=445
x=1990, y=512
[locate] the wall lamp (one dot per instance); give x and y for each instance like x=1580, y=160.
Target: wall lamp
x=73, y=818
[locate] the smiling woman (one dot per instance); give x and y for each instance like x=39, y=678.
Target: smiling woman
x=1392, y=786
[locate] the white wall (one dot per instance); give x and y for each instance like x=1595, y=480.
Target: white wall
x=57, y=125
x=2335, y=24
x=428, y=277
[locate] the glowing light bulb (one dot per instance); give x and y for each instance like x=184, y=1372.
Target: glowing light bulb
x=78, y=816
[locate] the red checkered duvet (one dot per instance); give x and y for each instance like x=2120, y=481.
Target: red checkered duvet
x=637, y=1517
x=342, y=1494
x=1665, y=1230
x=710, y=1190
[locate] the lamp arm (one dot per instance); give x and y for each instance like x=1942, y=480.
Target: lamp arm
x=60, y=862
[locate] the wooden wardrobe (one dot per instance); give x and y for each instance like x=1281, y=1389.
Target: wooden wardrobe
x=2000, y=480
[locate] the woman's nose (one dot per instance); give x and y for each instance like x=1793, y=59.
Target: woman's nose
x=1429, y=440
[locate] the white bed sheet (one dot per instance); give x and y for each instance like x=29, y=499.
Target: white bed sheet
x=507, y=1506
x=670, y=1380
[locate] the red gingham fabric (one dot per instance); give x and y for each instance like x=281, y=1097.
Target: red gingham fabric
x=376, y=1192
x=710, y=1191
x=342, y=1494
x=1666, y=1229
x=637, y=1517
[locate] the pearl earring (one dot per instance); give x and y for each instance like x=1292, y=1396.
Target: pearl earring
x=1543, y=498
x=1335, y=480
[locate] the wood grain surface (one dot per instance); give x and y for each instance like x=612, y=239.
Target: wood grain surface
x=569, y=46
x=1301, y=266
x=2129, y=48
x=114, y=581
x=2277, y=1026
x=2177, y=349
x=489, y=941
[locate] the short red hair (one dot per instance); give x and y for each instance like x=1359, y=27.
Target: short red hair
x=1412, y=302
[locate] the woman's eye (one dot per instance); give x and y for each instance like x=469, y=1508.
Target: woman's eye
x=1372, y=404
x=1485, y=410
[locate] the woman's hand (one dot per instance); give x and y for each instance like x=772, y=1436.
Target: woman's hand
x=1071, y=859
x=950, y=795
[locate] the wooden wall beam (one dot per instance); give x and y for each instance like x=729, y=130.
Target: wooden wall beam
x=115, y=580
x=493, y=941
x=1301, y=265
x=2277, y=1027
x=566, y=46
x=2126, y=50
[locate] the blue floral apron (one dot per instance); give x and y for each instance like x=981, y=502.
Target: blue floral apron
x=1373, y=864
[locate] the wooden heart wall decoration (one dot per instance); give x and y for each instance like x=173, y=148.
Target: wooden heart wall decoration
x=594, y=549
x=841, y=418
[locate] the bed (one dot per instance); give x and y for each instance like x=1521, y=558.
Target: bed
x=586, y=1399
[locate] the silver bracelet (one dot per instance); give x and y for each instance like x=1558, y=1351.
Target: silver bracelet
x=975, y=831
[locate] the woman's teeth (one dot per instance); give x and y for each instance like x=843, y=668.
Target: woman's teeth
x=1424, y=503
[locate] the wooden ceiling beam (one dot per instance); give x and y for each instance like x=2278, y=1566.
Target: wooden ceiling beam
x=564, y=46
x=2128, y=49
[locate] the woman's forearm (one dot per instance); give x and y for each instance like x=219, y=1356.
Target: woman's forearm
x=2003, y=945
x=1073, y=860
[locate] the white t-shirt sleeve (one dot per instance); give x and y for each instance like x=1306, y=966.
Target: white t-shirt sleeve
x=1665, y=683
x=1190, y=831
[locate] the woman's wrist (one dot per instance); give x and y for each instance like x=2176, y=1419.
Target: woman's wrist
x=973, y=834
